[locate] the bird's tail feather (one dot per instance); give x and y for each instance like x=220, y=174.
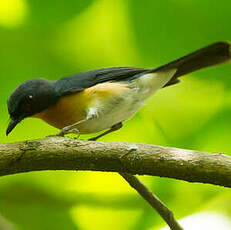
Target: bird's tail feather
x=211, y=55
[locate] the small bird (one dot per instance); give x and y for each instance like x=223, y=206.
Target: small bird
x=103, y=99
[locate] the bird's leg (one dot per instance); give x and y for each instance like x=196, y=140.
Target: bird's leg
x=92, y=113
x=112, y=129
x=69, y=129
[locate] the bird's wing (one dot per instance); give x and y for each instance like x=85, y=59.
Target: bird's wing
x=81, y=81
x=211, y=55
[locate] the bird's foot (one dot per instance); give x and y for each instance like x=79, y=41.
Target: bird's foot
x=66, y=130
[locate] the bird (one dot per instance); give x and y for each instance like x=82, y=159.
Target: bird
x=103, y=99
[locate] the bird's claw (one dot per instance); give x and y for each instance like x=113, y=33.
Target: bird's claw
x=65, y=131
x=59, y=134
x=75, y=131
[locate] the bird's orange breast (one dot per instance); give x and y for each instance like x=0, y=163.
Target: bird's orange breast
x=68, y=110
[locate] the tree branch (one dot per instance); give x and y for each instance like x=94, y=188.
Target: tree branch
x=126, y=158
x=153, y=200
x=133, y=158
x=14, y=159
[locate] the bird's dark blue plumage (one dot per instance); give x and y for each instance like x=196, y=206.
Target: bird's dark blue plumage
x=81, y=81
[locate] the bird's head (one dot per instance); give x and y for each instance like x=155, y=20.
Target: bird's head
x=29, y=98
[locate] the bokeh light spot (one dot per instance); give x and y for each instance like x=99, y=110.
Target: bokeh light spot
x=12, y=12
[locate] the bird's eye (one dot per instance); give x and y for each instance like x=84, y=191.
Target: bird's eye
x=28, y=99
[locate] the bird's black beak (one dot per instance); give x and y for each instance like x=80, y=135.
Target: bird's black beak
x=11, y=125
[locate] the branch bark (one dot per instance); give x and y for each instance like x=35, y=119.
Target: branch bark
x=125, y=158
x=14, y=154
x=70, y=154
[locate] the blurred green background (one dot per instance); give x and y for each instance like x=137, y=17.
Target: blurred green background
x=52, y=39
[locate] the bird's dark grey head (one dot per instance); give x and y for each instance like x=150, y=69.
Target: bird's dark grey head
x=31, y=97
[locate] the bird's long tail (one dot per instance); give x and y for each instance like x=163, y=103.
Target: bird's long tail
x=211, y=55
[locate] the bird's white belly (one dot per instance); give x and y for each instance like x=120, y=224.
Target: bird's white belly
x=113, y=112
x=123, y=106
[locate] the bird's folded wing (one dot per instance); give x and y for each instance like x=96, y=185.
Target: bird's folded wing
x=81, y=81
